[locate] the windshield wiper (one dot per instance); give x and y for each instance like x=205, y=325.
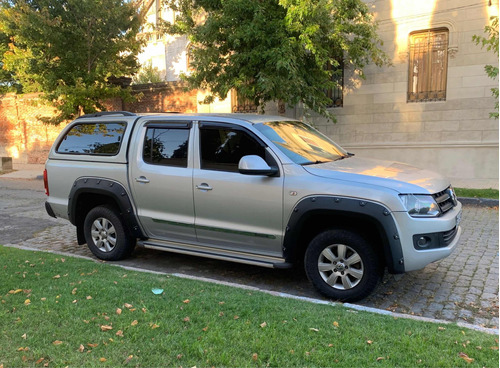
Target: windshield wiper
x=314, y=162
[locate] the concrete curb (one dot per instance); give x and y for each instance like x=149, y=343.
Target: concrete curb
x=350, y=306
x=483, y=202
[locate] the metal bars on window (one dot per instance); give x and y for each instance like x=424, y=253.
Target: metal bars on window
x=428, y=66
x=336, y=94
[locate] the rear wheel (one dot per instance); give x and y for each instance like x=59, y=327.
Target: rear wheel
x=105, y=234
x=342, y=265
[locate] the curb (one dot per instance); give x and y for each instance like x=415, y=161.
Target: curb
x=482, y=202
x=354, y=307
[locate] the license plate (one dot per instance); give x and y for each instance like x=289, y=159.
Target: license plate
x=459, y=217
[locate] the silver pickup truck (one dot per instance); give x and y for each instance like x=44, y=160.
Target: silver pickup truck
x=262, y=190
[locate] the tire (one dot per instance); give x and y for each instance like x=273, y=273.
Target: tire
x=106, y=235
x=342, y=265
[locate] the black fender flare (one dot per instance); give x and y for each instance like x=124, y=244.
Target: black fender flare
x=376, y=213
x=108, y=188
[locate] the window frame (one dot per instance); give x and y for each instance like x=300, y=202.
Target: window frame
x=414, y=95
x=162, y=125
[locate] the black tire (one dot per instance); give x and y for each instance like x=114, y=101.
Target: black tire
x=342, y=265
x=106, y=235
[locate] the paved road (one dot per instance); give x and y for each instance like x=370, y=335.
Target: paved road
x=462, y=287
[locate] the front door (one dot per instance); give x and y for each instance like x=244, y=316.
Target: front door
x=235, y=211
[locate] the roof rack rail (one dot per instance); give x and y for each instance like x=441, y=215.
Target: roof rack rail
x=104, y=113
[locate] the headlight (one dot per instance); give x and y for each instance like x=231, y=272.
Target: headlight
x=420, y=205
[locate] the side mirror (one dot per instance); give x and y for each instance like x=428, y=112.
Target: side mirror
x=255, y=165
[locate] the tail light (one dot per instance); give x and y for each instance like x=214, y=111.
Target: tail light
x=46, y=181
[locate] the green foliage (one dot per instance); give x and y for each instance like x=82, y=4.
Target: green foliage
x=272, y=50
x=491, y=44
x=147, y=74
x=68, y=50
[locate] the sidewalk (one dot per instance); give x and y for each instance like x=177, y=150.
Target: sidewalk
x=26, y=171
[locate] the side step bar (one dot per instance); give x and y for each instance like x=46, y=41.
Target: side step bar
x=215, y=253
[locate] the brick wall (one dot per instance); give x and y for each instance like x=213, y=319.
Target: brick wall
x=27, y=140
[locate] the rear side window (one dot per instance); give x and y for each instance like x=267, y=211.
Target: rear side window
x=166, y=146
x=103, y=139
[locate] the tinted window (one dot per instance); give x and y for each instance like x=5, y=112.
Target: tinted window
x=164, y=146
x=93, y=139
x=222, y=148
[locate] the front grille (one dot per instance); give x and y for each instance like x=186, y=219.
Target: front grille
x=448, y=236
x=446, y=199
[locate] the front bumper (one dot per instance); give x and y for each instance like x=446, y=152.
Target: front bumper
x=436, y=229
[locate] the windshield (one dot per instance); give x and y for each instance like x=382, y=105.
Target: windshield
x=302, y=143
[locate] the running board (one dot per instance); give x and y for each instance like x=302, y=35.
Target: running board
x=216, y=253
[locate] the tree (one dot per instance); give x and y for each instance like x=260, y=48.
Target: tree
x=275, y=50
x=68, y=49
x=148, y=74
x=491, y=44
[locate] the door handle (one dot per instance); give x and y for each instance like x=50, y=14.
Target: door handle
x=142, y=179
x=204, y=187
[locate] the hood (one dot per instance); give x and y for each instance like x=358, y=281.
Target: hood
x=390, y=174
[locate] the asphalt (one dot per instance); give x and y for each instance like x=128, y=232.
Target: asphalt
x=462, y=288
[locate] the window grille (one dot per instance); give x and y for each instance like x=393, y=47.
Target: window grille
x=336, y=94
x=428, y=66
x=242, y=105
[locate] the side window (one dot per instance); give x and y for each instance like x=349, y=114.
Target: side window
x=222, y=148
x=101, y=139
x=166, y=146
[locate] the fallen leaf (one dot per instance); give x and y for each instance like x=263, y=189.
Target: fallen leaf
x=119, y=333
x=134, y=322
x=205, y=329
x=126, y=305
x=255, y=356
x=57, y=277
x=494, y=347
x=74, y=301
x=144, y=310
x=263, y=324
x=88, y=297
x=118, y=311
x=466, y=357
x=92, y=345
x=23, y=349
x=15, y=291
x=27, y=302
x=132, y=309
x=186, y=301
x=314, y=329
x=335, y=324
x=129, y=358
x=441, y=328
x=186, y=319
x=380, y=358
x=39, y=360
x=154, y=326
x=43, y=299
x=236, y=317
x=102, y=360
x=369, y=342
x=81, y=349
x=73, y=291
x=179, y=356
x=24, y=336
x=106, y=327
x=57, y=342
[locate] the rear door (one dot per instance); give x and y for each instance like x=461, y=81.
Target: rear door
x=161, y=179
x=236, y=211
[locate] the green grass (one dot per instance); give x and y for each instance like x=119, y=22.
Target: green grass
x=61, y=311
x=477, y=193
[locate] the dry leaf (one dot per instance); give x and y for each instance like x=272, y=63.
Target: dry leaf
x=126, y=305
x=119, y=333
x=81, y=349
x=144, y=310
x=73, y=291
x=57, y=277
x=27, y=302
x=118, y=311
x=74, y=301
x=255, y=356
x=23, y=349
x=186, y=301
x=129, y=358
x=179, y=356
x=465, y=357
x=15, y=291
x=106, y=327
x=24, y=336
x=43, y=299
x=441, y=328
x=380, y=358
x=92, y=345
x=263, y=324
x=236, y=317
x=369, y=342
x=154, y=326
x=39, y=360
x=314, y=329
x=102, y=360
x=494, y=347
x=88, y=297
x=186, y=319
x=335, y=324
x=205, y=329
x=134, y=322
x=57, y=342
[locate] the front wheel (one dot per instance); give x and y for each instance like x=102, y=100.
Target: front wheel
x=342, y=265
x=106, y=235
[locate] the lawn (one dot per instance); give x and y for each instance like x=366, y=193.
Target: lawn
x=61, y=311
x=477, y=193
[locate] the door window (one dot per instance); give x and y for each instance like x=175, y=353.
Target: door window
x=166, y=146
x=223, y=147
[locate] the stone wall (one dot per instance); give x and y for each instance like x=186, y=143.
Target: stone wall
x=455, y=137
x=27, y=140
